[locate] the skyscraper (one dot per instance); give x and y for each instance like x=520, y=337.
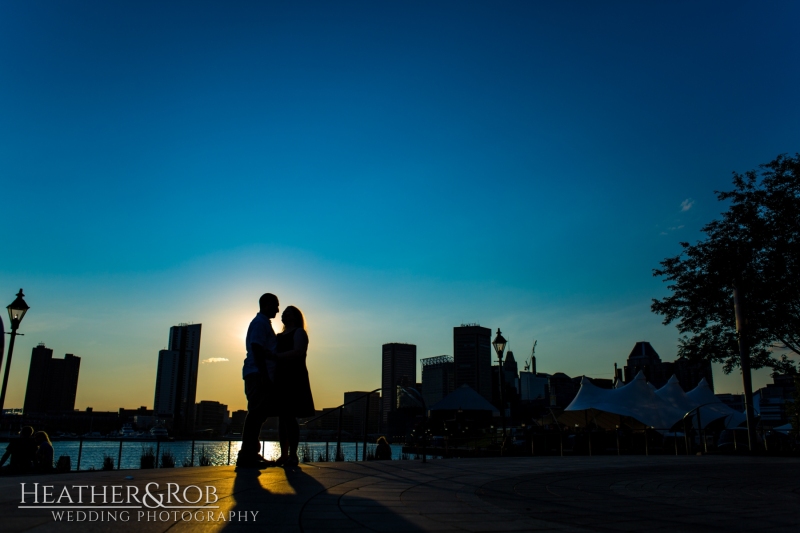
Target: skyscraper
x=472, y=354
x=52, y=383
x=399, y=368
x=176, y=378
x=438, y=378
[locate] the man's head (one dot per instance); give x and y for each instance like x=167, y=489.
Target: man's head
x=268, y=305
x=26, y=432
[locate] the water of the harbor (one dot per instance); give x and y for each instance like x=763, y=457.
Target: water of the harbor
x=218, y=453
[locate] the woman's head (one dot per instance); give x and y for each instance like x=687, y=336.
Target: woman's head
x=41, y=437
x=292, y=317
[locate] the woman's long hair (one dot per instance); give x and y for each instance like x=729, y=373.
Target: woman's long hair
x=41, y=437
x=299, y=319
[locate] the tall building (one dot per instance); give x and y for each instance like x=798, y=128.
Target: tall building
x=399, y=369
x=511, y=370
x=438, y=378
x=176, y=378
x=52, y=383
x=643, y=358
x=472, y=355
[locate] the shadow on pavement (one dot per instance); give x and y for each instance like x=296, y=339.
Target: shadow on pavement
x=292, y=500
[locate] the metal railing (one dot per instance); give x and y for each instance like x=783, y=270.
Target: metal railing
x=340, y=410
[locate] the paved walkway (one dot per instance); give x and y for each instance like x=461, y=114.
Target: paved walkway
x=668, y=493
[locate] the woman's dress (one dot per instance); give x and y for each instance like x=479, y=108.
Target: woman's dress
x=291, y=378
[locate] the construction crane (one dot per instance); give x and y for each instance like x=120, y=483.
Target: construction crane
x=530, y=359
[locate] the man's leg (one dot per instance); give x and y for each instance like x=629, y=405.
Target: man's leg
x=256, y=415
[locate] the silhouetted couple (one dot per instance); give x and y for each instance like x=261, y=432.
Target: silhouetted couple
x=275, y=382
x=30, y=452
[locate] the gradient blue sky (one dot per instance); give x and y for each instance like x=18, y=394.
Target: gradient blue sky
x=392, y=168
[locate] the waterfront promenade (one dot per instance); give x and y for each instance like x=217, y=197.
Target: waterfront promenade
x=669, y=493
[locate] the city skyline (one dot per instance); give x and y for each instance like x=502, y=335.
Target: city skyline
x=393, y=170
x=168, y=358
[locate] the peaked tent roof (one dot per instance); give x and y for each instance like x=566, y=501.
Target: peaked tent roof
x=465, y=398
x=712, y=407
x=635, y=399
x=673, y=394
x=661, y=409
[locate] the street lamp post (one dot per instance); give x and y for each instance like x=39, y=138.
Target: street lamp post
x=499, y=344
x=16, y=311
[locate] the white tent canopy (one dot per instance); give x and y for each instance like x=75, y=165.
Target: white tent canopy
x=785, y=429
x=661, y=409
x=673, y=394
x=635, y=399
x=712, y=407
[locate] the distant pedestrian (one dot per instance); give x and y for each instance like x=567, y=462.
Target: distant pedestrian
x=22, y=452
x=44, y=452
x=292, y=386
x=259, y=374
x=383, y=452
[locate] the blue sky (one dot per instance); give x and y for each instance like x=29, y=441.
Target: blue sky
x=394, y=169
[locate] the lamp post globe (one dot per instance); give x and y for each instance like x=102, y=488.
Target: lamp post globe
x=499, y=344
x=16, y=312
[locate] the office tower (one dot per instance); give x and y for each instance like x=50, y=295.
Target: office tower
x=176, y=378
x=643, y=358
x=472, y=354
x=52, y=383
x=399, y=369
x=438, y=378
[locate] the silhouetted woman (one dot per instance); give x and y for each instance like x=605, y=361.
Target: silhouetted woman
x=44, y=452
x=291, y=382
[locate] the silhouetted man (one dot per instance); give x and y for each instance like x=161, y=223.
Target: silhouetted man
x=22, y=451
x=258, y=373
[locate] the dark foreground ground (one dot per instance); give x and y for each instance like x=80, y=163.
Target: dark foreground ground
x=663, y=493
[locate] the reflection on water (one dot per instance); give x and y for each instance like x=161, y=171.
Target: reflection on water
x=217, y=452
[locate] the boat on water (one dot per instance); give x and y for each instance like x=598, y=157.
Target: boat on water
x=159, y=432
x=127, y=432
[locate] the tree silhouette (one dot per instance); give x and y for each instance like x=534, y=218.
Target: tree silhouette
x=756, y=247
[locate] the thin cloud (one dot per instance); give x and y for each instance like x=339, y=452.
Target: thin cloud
x=215, y=360
x=687, y=204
